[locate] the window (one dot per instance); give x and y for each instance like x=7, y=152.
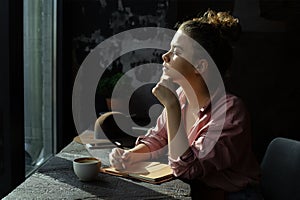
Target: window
x=39, y=52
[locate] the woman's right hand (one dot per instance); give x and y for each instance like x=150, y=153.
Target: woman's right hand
x=125, y=159
x=115, y=158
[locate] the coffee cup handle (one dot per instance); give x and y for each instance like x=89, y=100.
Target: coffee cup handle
x=99, y=167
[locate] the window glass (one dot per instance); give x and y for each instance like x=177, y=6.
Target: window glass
x=38, y=82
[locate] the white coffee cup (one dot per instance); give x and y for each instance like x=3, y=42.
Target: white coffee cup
x=86, y=168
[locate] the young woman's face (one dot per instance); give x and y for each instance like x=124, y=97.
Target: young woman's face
x=175, y=64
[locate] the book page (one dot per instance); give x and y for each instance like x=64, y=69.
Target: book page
x=149, y=171
x=138, y=168
x=156, y=172
x=142, y=168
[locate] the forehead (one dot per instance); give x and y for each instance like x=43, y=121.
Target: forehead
x=186, y=45
x=181, y=39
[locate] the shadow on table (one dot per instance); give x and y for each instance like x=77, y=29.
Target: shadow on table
x=107, y=186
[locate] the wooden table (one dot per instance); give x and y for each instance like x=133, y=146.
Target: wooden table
x=56, y=180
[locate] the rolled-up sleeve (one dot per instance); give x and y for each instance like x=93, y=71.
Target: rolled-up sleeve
x=185, y=166
x=192, y=165
x=156, y=138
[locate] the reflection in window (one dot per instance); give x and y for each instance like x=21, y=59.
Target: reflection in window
x=38, y=81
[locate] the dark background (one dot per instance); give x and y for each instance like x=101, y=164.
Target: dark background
x=264, y=70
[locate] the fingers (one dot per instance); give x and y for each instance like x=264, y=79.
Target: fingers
x=115, y=158
x=127, y=165
x=117, y=152
x=122, y=159
x=132, y=157
x=128, y=159
x=114, y=162
x=167, y=82
x=165, y=91
x=126, y=155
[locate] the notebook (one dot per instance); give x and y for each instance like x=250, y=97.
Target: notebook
x=151, y=172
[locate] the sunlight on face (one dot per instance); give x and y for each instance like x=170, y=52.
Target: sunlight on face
x=189, y=49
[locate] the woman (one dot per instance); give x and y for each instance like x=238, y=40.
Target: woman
x=207, y=132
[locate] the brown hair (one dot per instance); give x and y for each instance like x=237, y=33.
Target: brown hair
x=214, y=31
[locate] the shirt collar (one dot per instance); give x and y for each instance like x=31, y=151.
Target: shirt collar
x=202, y=110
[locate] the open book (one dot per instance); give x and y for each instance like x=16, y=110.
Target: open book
x=151, y=172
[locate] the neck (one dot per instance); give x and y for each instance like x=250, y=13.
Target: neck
x=196, y=93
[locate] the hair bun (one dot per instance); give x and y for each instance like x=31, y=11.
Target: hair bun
x=228, y=25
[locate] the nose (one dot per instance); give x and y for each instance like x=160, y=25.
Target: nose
x=166, y=57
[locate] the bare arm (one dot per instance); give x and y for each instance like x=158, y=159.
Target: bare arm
x=140, y=148
x=177, y=137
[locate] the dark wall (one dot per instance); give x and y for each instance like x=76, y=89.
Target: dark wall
x=264, y=70
x=265, y=75
x=64, y=119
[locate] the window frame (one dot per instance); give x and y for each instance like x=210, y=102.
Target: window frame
x=12, y=151
x=12, y=172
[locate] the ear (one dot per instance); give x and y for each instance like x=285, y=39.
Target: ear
x=201, y=67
